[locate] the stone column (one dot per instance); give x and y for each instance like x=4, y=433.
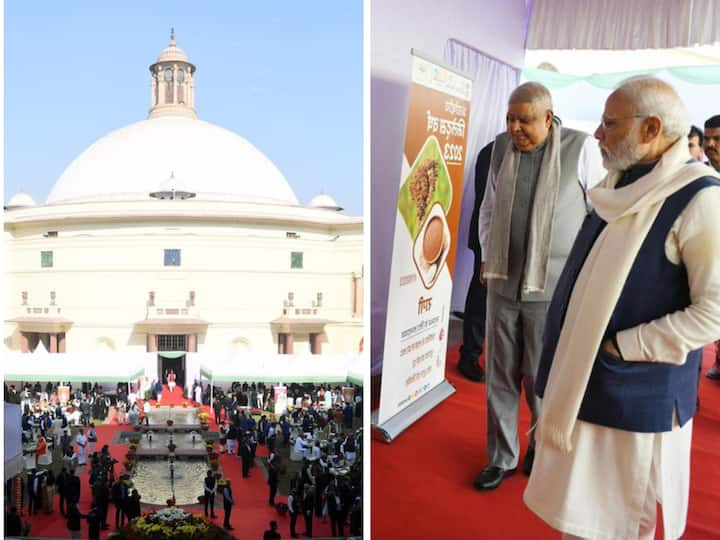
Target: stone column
x=24, y=342
x=152, y=343
x=53, y=343
x=61, y=342
x=174, y=84
x=289, y=343
x=281, y=343
x=192, y=343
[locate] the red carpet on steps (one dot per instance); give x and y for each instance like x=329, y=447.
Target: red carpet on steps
x=173, y=398
x=250, y=516
x=422, y=481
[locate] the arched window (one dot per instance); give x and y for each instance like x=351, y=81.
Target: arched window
x=168, y=77
x=181, y=85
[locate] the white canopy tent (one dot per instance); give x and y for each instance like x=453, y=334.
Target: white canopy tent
x=286, y=368
x=77, y=367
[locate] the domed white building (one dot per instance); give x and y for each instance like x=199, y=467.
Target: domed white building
x=173, y=235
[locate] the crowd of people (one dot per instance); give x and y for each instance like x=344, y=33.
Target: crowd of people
x=316, y=431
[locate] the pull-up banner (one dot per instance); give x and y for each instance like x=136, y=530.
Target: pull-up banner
x=428, y=214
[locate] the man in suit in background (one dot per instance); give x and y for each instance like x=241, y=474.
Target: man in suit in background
x=210, y=487
x=475, y=302
x=228, y=502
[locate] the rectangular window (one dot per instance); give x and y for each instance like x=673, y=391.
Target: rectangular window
x=172, y=257
x=171, y=343
x=46, y=259
x=296, y=259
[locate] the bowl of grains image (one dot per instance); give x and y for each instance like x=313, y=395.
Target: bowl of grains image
x=427, y=183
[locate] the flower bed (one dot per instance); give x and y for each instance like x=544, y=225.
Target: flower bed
x=172, y=524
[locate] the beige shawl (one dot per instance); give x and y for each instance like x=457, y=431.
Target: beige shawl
x=541, y=217
x=629, y=212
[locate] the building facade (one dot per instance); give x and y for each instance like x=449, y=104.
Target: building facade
x=176, y=235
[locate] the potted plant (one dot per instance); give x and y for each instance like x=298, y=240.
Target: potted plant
x=169, y=422
x=185, y=404
x=171, y=447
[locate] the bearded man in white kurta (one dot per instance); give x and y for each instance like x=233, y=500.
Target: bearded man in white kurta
x=638, y=299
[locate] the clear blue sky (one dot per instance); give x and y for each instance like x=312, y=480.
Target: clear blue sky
x=286, y=75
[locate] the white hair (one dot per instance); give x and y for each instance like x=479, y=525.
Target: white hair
x=533, y=93
x=651, y=96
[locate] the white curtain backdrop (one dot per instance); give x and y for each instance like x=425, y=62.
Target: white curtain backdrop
x=493, y=81
x=620, y=24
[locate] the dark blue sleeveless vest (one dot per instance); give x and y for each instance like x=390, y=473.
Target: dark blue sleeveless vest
x=634, y=396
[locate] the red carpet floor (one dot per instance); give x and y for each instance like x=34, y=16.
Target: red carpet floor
x=250, y=516
x=422, y=481
x=173, y=398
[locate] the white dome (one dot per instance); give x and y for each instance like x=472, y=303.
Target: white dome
x=19, y=200
x=323, y=200
x=172, y=54
x=131, y=162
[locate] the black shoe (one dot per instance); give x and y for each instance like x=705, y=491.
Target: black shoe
x=491, y=477
x=529, y=460
x=471, y=370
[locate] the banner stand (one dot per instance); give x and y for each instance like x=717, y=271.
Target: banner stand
x=424, y=246
x=395, y=425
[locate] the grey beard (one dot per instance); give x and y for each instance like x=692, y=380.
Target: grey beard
x=626, y=155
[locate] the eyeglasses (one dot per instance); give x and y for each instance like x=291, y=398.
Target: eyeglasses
x=608, y=123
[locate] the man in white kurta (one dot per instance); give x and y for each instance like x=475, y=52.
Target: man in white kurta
x=601, y=479
x=81, y=441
